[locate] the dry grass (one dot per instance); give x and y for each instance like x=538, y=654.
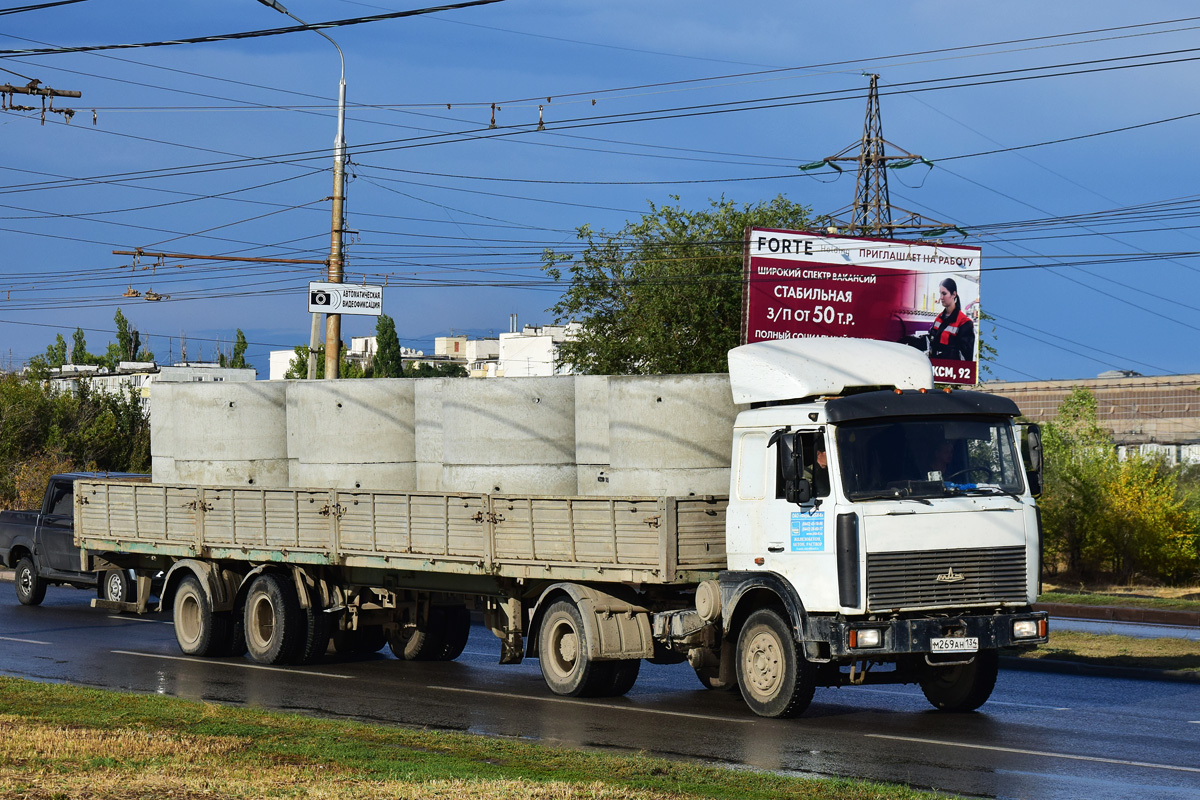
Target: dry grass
x=67, y=742
x=1186, y=598
x=1120, y=651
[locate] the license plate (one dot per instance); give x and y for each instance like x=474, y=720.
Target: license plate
x=955, y=644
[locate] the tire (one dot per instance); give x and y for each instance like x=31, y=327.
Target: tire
x=563, y=655
x=412, y=643
x=624, y=676
x=198, y=630
x=116, y=586
x=317, y=630
x=362, y=641
x=31, y=590
x=710, y=678
x=456, y=627
x=964, y=687
x=276, y=626
x=775, y=679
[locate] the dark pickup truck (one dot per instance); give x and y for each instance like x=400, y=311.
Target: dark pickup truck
x=40, y=545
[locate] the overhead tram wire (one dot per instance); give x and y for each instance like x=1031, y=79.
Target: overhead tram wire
x=229, y=37
x=651, y=116
x=40, y=6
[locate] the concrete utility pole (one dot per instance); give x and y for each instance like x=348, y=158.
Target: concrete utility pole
x=333, y=322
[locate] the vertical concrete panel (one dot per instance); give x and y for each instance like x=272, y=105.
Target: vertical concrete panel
x=671, y=422
x=358, y=421
x=509, y=421
x=427, y=433
x=591, y=419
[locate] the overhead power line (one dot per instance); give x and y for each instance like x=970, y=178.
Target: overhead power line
x=226, y=37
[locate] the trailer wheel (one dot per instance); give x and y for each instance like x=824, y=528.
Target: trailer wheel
x=31, y=590
x=275, y=623
x=416, y=643
x=563, y=655
x=456, y=627
x=775, y=679
x=116, y=586
x=363, y=641
x=198, y=630
x=318, y=629
x=624, y=676
x=963, y=687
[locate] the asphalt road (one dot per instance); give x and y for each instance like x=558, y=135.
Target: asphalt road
x=1041, y=736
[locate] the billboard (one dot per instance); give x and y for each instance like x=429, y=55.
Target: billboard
x=800, y=284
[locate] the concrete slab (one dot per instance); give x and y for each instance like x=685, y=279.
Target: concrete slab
x=360, y=422
x=509, y=422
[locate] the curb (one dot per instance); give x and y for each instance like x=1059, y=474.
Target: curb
x=1097, y=670
x=1146, y=616
x=9, y=575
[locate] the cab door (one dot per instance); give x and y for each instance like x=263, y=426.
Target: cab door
x=56, y=529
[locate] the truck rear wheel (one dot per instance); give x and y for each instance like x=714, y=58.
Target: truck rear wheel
x=198, y=630
x=457, y=626
x=563, y=655
x=275, y=623
x=962, y=687
x=775, y=678
x=31, y=590
x=624, y=676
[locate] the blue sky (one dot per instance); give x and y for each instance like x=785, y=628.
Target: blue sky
x=1089, y=245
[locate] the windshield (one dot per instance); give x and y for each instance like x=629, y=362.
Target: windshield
x=925, y=458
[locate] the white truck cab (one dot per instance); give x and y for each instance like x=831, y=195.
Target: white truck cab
x=887, y=527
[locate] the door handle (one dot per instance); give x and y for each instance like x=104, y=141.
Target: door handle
x=775, y=549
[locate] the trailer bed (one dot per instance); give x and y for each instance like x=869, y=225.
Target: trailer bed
x=642, y=539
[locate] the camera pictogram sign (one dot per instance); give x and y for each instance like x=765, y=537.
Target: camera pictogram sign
x=345, y=298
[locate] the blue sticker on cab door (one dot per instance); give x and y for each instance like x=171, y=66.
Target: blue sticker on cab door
x=808, y=532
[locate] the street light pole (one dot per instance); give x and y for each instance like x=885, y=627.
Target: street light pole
x=333, y=322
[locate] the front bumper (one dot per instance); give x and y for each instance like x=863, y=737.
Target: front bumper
x=913, y=635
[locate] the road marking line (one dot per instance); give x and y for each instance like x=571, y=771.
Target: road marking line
x=234, y=664
x=590, y=704
x=913, y=694
x=126, y=618
x=1047, y=754
x=22, y=641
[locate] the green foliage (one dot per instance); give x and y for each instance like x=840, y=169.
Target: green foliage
x=426, y=370
x=83, y=429
x=56, y=354
x=298, y=369
x=663, y=295
x=1104, y=516
x=237, y=359
x=387, y=362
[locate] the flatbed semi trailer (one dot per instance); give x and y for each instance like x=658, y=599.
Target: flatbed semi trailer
x=881, y=536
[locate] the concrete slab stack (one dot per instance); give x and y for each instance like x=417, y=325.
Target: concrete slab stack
x=353, y=434
x=568, y=435
x=226, y=434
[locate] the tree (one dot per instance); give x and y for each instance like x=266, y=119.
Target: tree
x=79, y=353
x=56, y=354
x=663, y=294
x=387, y=362
x=237, y=357
x=298, y=368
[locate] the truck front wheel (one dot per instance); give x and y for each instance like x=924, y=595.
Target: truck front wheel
x=563, y=655
x=962, y=687
x=198, y=630
x=31, y=590
x=276, y=628
x=775, y=679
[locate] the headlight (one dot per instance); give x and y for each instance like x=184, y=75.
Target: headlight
x=1025, y=629
x=867, y=637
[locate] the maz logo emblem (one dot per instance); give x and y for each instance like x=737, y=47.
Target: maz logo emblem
x=951, y=577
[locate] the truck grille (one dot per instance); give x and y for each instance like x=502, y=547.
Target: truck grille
x=975, y=576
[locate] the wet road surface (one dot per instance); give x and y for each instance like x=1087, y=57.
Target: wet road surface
x=1041, y=735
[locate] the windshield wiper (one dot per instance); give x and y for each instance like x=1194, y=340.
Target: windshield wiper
x=980, y=488
x=894, y=494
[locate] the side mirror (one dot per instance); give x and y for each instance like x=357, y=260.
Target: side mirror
x=1031, y=452
x=796, y=488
